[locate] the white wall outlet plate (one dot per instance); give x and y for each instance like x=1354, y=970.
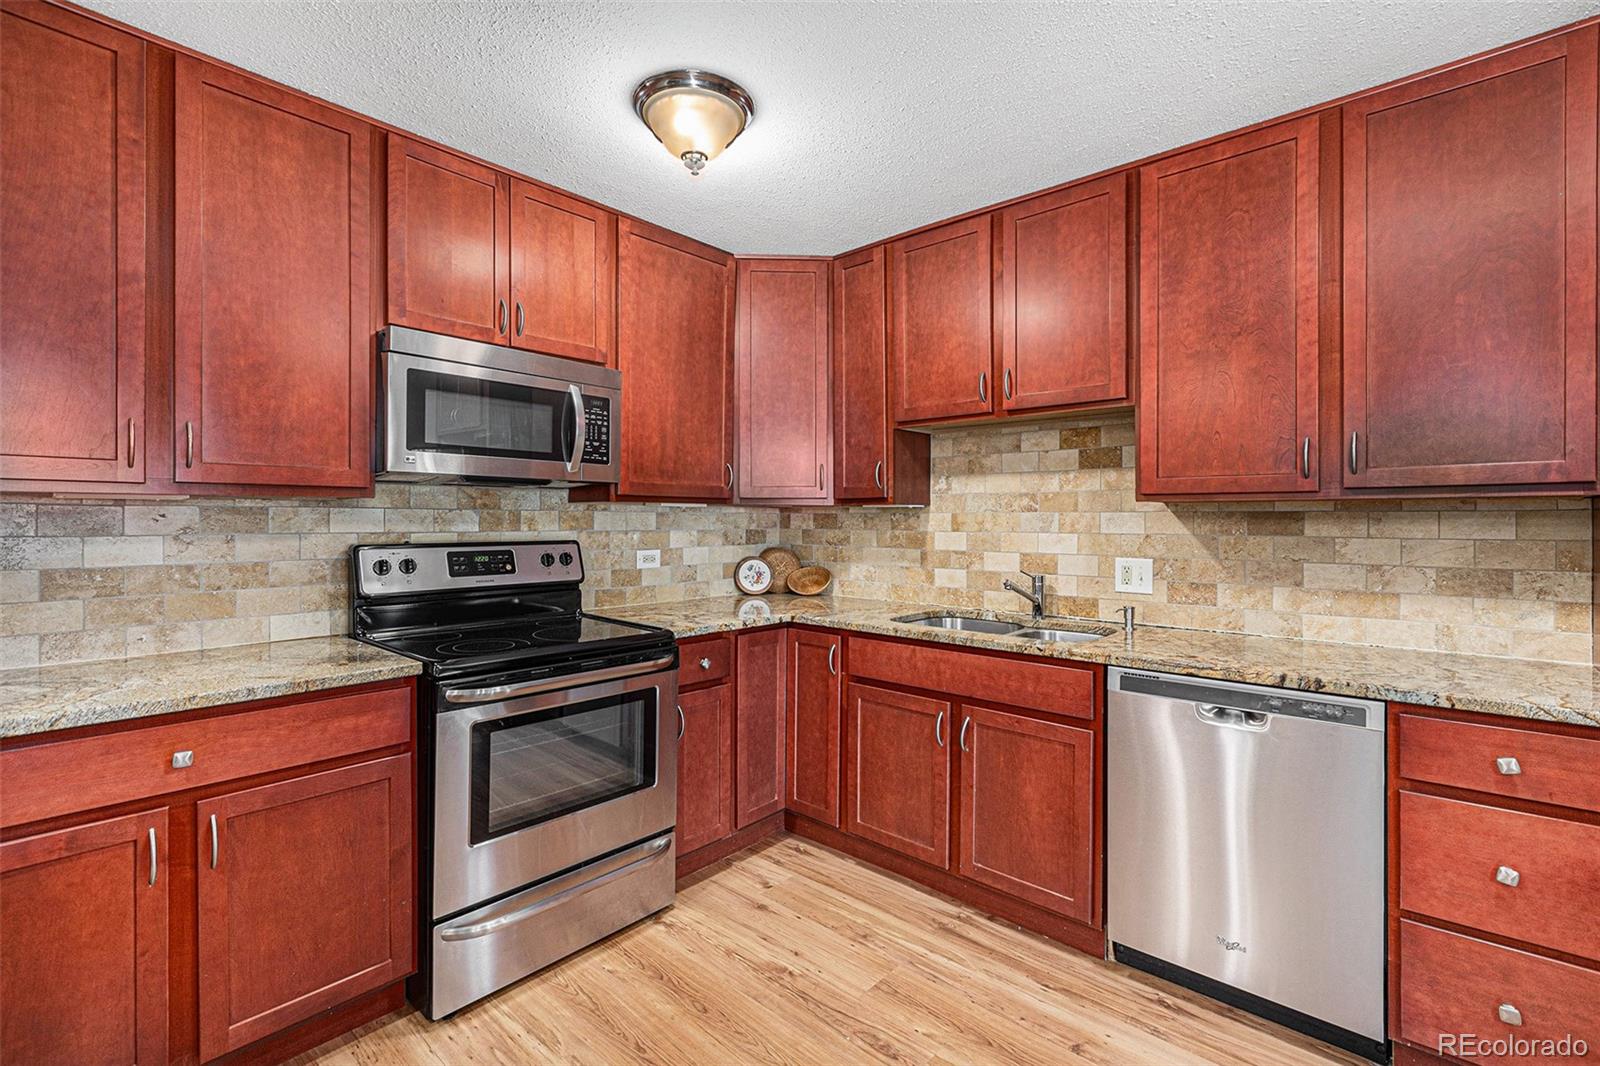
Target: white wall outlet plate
x=1135, y=575
x=648, y=559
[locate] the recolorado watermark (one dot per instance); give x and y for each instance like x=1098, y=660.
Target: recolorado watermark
x=1473, y=1046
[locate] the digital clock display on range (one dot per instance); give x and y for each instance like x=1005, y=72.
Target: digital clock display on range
x=481, y=563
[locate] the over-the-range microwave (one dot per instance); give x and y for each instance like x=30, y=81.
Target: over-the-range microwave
x=455, y=410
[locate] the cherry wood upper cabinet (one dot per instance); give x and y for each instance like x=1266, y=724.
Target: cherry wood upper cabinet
x=1062, y=302
x=1469, y=285
x=940, y=337
x=72, y=248
x=1027, y=805
x=759, y=694
x=1228, y=315
x=675, y=351
x=815, y=702
x=861, y=425
x=783, y=408
x=83, y=943
x=897, y=776
x=563, y=274
x=449, y=259
x=305, y=890
x=273, y=334
x=705, y=767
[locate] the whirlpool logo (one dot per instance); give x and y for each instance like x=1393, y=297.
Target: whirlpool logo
x=1232, y=945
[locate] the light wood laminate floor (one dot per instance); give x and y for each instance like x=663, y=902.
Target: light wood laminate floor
x=791, y=953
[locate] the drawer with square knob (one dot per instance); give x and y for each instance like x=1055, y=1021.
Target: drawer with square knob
x=1523, y=876
x=1522, y=763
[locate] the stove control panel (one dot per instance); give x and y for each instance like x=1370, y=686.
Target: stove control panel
x=393, y=569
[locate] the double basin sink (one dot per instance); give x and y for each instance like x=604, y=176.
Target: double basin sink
x=1004, y=629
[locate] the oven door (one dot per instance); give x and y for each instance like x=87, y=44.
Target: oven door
x=444, y=419
x=533, y=784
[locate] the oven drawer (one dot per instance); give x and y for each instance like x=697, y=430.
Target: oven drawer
x=703, y=660
x=1525, y=876
x=1544, y=767
x=1452, y=985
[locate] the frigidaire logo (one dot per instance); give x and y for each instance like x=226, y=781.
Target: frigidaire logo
x=1232, y=945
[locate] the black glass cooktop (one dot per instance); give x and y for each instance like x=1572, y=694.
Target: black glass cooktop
x=533, y=639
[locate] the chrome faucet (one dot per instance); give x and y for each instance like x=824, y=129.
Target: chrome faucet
x=1036, y=597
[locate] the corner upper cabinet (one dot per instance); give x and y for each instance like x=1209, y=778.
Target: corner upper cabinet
x=563, y=274
x=1469, y=284
x=785, y=437
x=675, y=351
x=940, y=327
x=1228, y=315
x=449, y=260
x=273, y=331
x=1062, y=297
x=72, y=248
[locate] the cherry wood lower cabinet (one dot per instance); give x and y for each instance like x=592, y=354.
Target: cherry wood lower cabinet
x=705, y=767
x=815, y=703
x=897, y=776
x=760, y=760
x=83, y=943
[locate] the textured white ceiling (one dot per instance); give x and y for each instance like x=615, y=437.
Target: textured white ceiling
x=871, y=117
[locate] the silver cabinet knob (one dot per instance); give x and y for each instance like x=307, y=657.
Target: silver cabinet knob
x=1507, y=876
x=1509, y=1014
x=1508, y=765
x=705, y=664
x=182, y=760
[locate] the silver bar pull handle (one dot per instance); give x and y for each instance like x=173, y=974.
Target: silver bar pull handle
x=130, y=443
x=1354, y=437
x=983, y=386
x=1006, y=382
x=213, y=842
x=1507, y=876
x=938, y=729
x=729, y=485
x=963, y=741
x=501, y=304
x=833, y=651
x=521, y=319
x=1509, y=1014
x=188, y=444
x=1508, y=765
x=819, y=475
x=1305, y=458
x=682, y=722
x=152, y=855
x=877, y=475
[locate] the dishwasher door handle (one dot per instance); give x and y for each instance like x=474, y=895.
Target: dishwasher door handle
x=1232, y=717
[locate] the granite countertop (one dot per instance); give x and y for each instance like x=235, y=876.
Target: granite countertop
x=1520, y=688
x=41, y=698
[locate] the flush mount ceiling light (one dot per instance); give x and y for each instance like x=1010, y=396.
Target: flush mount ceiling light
x=694, y=113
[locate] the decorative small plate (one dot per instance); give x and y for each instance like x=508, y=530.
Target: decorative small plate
x=752, y=576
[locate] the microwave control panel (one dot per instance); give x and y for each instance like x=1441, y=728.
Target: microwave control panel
x=597, y=430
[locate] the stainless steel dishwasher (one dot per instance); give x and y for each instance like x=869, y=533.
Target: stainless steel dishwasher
x=1245, y=848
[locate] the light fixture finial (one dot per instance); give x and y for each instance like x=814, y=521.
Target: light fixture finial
x=694, y=113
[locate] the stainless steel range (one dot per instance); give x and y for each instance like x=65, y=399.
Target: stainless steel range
x=548, y=756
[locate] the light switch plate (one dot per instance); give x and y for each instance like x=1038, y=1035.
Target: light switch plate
x=648, y=559
x=1135, y=575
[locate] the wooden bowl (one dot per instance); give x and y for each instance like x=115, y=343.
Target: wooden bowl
x=783, y=563
x=810, y=580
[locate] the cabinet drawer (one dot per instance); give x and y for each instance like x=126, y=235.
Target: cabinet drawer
x=1452, y=985
x=1454, y=855
x=1039, y=685
x=1549, y=768
x=45, y=780
x=704, y=660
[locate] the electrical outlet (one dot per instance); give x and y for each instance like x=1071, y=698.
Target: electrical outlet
x=648, y=559
x=1135, y=575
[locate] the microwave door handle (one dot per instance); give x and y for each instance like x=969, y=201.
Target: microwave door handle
x=580, y=420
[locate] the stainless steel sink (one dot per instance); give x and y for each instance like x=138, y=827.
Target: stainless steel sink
x=967, y=625
x=1063, y=636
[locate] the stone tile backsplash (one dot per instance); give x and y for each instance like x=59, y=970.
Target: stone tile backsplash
x=92, y=579
x=1497, y=577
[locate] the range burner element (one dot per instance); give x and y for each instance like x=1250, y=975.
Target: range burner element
x=480, y=646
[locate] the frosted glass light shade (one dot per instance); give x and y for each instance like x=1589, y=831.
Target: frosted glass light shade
x=693, y=113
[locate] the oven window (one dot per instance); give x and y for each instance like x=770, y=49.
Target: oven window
x=472, y=416
x=544, y=764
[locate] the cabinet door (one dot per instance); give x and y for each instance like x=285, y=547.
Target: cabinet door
x=72, y=256
x=897, y=777
x=273, y=334
x=1228, y=315
x=941, y=341
x=759, y=724
x=705, y=767
x=83, y=943
x=781, y=380
x=814, y=706
x=861, y=378
x=1063, y=301
x=1027, y=804
x=563, y=274
x=675, y=350
x=305, y=898
x=1469, y=291
x=449, y=243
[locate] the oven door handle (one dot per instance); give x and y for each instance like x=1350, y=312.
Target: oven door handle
x=580, y=420
x=561, y=889
x=497, y=693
